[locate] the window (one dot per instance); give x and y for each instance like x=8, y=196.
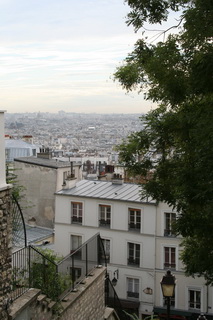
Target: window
x=75, y=273
x=106, y=245
x=135, y=219
x=133, y=288
x=133, y=254
x=172, y=301
x=77, y=209
x=169, y=217
x=104, y=216
x=169, y=257
x=194, y=299
x=76, y=242
x=64, y=177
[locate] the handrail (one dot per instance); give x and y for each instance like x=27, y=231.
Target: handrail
x=56, y=278
x=15, y=201
x=112, y=300
x=79, y=248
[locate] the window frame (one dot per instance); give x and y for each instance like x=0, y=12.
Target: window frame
x=78, y=217
x=168, y=221
x=172, y=301
x=172, y=259
x=194, y=302
x=105, y=241
x=134, y=225
x=133, y=294
x=133, y=259
x=72, y=248
x=104, y=221
x=75, y=273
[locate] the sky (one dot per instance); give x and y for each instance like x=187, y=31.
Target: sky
x=61, y=55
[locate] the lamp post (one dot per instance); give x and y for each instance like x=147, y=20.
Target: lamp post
x=168, y=283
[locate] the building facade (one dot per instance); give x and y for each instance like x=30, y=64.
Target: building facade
x=138, y=241
x=41, y=178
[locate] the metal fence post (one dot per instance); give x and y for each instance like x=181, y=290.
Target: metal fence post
x=29, y=263
x=73, y=272
x=86, y=261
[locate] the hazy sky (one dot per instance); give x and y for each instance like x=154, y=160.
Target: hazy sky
x=61, y=55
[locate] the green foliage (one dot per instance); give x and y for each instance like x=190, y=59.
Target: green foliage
x=18, y=191
x=131, y=316
x=174, y=151
x=19, y=278
x=135, y=317
x=44, y=276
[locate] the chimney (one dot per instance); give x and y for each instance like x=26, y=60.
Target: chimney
x=2, y=152
x=117, y=179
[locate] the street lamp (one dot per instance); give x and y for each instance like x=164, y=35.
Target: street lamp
x=115, y=279
x=168, y=283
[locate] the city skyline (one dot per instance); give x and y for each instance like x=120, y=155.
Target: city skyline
x=62, y=56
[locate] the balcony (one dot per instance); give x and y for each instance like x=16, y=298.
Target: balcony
x=131, y=294
x=104, y=223
x=134, y=262
x=135, y=227
x=77, y=220
x=169, y=233
x=168, y=265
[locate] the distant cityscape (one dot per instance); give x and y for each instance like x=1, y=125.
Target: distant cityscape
x=75, y=134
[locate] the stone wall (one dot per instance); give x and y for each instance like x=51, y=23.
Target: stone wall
x=5, y=251
x=87, y=302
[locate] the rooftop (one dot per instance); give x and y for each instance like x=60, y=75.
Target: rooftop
x=50, y=163
x=106, y=190
x=36, y=234
x=14, y=143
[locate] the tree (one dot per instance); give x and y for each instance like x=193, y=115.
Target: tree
x=174, y=151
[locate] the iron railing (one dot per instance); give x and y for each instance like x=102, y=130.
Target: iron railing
x=112, y=300
x=19, y=235
x=81, y=262
x=34, y=269
x=20, y=273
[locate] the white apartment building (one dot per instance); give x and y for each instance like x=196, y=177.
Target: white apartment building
x=138, y=242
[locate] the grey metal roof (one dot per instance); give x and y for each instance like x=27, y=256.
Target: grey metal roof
x=13, y=143
x=50, y=163
x=35, y=234
x=106, y=190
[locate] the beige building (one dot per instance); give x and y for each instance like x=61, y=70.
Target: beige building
x=41, y=177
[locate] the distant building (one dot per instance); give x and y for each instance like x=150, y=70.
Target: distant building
x=42, y=177
x=19, y=148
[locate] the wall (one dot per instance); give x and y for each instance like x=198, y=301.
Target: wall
x=183, y=283
x=119, y=236
x=87, y=302
x=5, y=250
x=40, y=185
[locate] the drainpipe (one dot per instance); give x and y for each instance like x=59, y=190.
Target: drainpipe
x=3, y=184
